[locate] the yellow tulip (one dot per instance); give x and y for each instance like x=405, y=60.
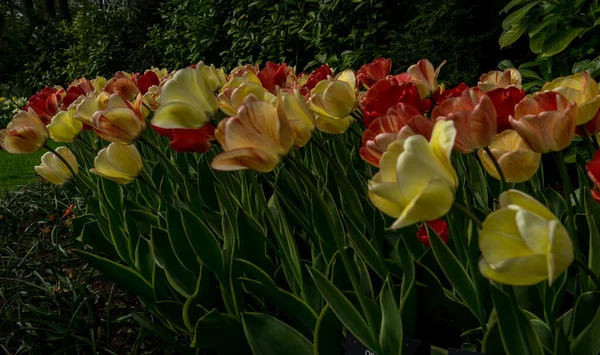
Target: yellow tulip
x=25, y=133
x=523, y=243
x=416, y=181
x=292, y=107
x=517, y=160
x=99, y=83
x=63, y=127
x=424, y=76
x=500, y=79
x=120, y=122
x=234, y=93
x=334, y=98
x=216, y=77
x=118, y=162
x=54, y=170
x=86, y=107
x=186, y=101
x=581, y=89
x=257, y=138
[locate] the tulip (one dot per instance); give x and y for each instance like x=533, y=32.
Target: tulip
x=321, y=73
x=45, y=104
x=54, y=170
x=516, y=159
x=474, y=117
x=119, y=122
x=234, y=93
x=25, y=133
x=330, y=125
x=424, y=76
x=402, y=121
x=523, y=243
x=243, y=69
x=334, y=98
x=257, y=138
x=273, y=75
x=581, y=89
x=439, y=226
x=377, y=70
x=505, y=100
x=495, y=79
x=292, y=107
x=118, y=162
x=99, y=83
x=86, y=107
x=443, y=94
x=147, y=80
x=123, y=85
x=387, y=93
x=64, y=127
x=216, y=77
x=78, y=88
x=416, y=181
x=593, y=170
x=546, y=121
x=186, y=101
x=189, y=140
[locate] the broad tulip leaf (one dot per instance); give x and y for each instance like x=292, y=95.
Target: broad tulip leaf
x=220, y=332
x=270, y=336
x=203, y=242
x=179, y=242
x=168, y=338
x=171, y=311
x=592, y=212
x=492, y=343
x=588, y=341
x=390, y=334
x=113, y=194
x=144, y=258
x=365, y=248
x=328, y=338
x=194, y=308
x=179, y=278
x=516, y=330
x=345, y=311
x=123, y=276
x=477, y=183
x=408, y=296
x=586, y=307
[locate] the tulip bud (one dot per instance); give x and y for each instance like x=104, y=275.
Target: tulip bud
x=292, y=107
x=474, y=117
x=118, y=162
x=25, y=133
x=64, y=128
x=54, y=170
x=546, y=121
x=523, y=242
x=119, y=123
x=122, y=85
x=257, y=138
x=581, y=89
x=86, y=107
x=439, y=226
x=416, y=181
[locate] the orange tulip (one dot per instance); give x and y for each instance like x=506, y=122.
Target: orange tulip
x=474, y=117
x=256, y=138
x=26, y=133
x=123, y=85
x=120, y=122
x=510, y=77
x=546, y=121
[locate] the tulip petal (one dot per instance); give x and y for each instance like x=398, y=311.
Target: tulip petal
x=333, y=126
x=587, y=111
x=516, y=199
x=51, y=175
x=560, y=255
x=499, y=238
x=534, y=231
x=246, y=158
x=528, y=270
x=338, y=99
x=179, y=114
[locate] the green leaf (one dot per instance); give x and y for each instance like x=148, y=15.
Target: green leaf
x=455, y=272
x=365, y=248
x=586, y=307
x=168, y=338
x=144, y=258
x=390, y=335
x=588, y=341
x=505, y=64
x=181, y=279
x=270, y=336
x=516, y=330
x=492, y=343
x=515, y=3
x=220, y=332
x=511, y=35
x=179, y=242
x=408, y=300
x=328, y=333
x=515, y=17
x=345, y=311
x=172, y=311
x=123, y=276
x=203, y=242
x=193, y=308
x=592, y=212
x=559, y=41
x=478, y=183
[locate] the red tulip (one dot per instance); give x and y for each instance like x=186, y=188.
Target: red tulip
x=146, y=80
x=45, y=104
x=321, y=73
x=189, y=140
x=377, y=70
x=439, y=226
x=593, y=170
x=79, y=87
x=385, y=94
x=273, y=75
x=440, y=96
x=505, y=100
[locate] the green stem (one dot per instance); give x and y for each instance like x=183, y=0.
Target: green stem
x=580, y=264
x=498, y=169
x=468, y=213
x=591, y=144
x=316, y=140
x=564, y=175
x=340, y=244
x=143, y=178
x=355, y=131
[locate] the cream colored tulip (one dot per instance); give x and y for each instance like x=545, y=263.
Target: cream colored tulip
x=54, y=170
x=64, y=128
x=86, y=107
x=118, y=162
x=416, y=181
x=25, y=133
x=120, y=122
x=292, y=107
x=581, y=89
x=424, y=76
x=523, y=243
x=334, y=98
x=238, y=88
x=500, y=79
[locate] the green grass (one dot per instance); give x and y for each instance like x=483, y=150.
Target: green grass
x=17, y=169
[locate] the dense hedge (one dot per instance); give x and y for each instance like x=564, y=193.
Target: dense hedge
x=132, y=35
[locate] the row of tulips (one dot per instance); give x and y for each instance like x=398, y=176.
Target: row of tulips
x=428, y=143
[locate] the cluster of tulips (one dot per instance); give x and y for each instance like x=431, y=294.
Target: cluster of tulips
x=412, y=126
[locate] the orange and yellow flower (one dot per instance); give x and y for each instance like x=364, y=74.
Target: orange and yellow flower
x=25, y=133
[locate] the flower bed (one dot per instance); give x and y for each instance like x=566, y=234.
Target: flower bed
x=272, y=212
